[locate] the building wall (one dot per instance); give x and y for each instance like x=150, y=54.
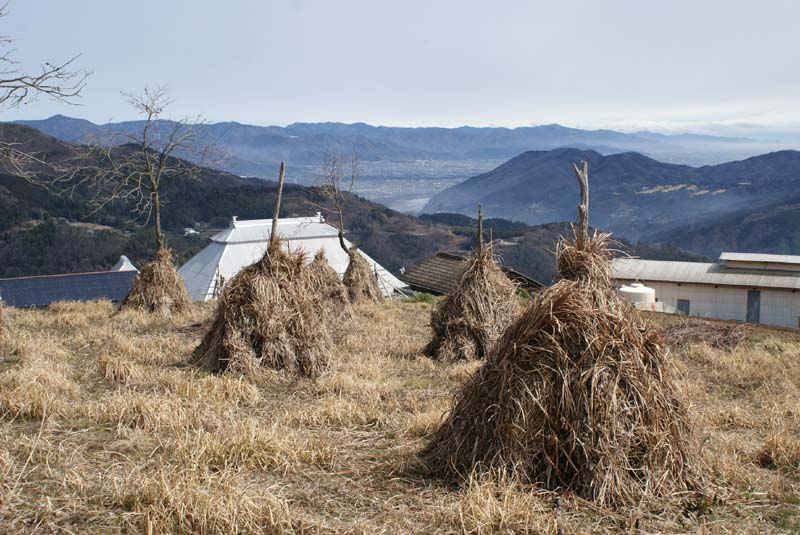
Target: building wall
x=778, y=307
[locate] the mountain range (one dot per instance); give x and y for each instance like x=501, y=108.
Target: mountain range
x=44, y=233
x=749, y=205
x=256, y=150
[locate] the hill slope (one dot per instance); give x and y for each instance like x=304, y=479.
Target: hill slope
x=393, y=239
x=633, y=195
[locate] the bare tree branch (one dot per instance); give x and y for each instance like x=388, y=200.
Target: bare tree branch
x=133, y=167
x=57, y=80
x=336, y=184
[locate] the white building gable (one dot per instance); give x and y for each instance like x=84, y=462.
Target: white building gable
x=245, y=242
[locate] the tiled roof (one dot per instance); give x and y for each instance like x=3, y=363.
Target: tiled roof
x=439, y=273
x=43, y=290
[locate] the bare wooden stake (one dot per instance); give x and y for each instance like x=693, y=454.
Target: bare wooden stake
x=480, y=229
x=582, y=173
x=273, y=237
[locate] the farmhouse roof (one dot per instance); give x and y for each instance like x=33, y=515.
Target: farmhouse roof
x=244, y=242
x=439, y=273
x=702, y=273
x=46, y=289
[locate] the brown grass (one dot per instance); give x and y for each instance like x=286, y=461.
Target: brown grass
x=187, y=452
x=360, y=280
x=467, y=323
x=158, y=287
x=692, y=331
x=270, y=316
x=578, y=396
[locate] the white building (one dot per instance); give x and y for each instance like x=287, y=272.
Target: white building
x=757, y=288
x=244, y=242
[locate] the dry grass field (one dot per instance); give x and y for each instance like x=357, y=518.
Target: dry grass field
x=101, y=432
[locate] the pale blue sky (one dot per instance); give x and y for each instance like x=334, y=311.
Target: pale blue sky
x=669, y=65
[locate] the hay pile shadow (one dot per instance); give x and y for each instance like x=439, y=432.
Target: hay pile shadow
x=695, y=331
x=158, y=287
x=268, y=316
x=468, y=322
x=360, y=279
x=577, y=396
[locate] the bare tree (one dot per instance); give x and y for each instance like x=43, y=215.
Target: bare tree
x=132, y=167
x=337, y=184
x=58, y=81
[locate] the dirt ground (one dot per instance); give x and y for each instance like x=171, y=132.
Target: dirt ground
x=101, y=432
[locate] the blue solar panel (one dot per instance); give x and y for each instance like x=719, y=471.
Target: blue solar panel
x=41, y=291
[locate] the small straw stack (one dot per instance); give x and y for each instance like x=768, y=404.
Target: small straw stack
x=468, y=322
x=158, y=287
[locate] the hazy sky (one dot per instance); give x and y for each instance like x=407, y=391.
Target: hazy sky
x=669, y=65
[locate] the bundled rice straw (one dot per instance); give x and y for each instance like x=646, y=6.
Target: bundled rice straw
x=269, y=316
x=326, y=281
x=332, y=299
x=468, y=322
x=577, y=395
x=158, y=287
x=3, y=322
x=360, y=280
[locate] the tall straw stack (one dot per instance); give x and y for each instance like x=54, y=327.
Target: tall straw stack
x=578, y=394
x=269, y=315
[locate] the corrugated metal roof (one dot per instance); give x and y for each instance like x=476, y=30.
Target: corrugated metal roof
x=292, y=228
x=702, y=273
x=41, y=291
x=758, y=257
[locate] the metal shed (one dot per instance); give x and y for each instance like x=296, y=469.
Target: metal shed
x=757, y=288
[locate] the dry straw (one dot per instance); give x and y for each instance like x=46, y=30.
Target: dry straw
x=326, y=282
x=3, y=322
x=158, y=287
x=577, y=395
x=360, y=279
x=270, y=315
x=468, y=322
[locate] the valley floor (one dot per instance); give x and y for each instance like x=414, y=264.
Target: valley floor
x=100, y=432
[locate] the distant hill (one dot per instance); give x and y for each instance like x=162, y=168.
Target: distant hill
x=42, y=233
x=632, y=195
x=36, y=223
x=255, y=150
x=770, y=229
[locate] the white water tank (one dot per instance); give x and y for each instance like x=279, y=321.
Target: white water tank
x=638, y=294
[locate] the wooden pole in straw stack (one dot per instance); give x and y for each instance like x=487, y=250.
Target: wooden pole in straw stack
x=480, y=229
x=582, y=173
x=273, y=237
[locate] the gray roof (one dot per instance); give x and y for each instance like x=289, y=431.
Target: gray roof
x=758, y=257
x=702, y=273
x=43, y=290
